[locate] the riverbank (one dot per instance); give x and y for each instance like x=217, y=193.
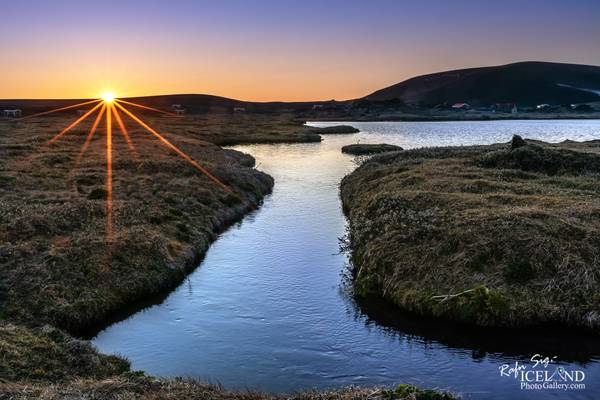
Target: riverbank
x=60, y=273
x=484, y=235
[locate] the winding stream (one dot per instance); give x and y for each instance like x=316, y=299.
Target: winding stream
x=268, y=308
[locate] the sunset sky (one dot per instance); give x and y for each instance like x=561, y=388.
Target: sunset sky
x=275, y=50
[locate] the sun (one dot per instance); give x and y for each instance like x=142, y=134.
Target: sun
x=108, y=97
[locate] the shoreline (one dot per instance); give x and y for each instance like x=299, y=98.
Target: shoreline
x=453, y=119
x=188, y=266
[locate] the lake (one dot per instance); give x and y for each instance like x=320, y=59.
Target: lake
x=269, y=307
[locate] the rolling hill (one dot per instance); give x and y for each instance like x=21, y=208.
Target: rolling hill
x=523, y=83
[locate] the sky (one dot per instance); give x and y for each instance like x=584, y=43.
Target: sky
x=265, y=50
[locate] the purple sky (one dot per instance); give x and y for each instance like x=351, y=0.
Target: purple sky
x=275, y=50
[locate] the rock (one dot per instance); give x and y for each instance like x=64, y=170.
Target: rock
x=517, y=141
x=362, y=149
x=337, y=129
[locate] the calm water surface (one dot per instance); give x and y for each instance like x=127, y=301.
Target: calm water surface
x=268, y=310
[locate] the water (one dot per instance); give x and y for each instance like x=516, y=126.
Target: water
x=268, y=310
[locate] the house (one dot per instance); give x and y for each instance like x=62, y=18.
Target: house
x=178, y=109
x=317, y=107
x=542, y=107
x=16, y=113
x=461, y=106
x=239, y=109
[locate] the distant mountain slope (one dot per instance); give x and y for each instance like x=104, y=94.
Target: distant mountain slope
x=524, y=83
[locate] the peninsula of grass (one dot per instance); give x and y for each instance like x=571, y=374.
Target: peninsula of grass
x=500, y=235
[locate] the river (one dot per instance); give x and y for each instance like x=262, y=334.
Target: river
x=269, y=309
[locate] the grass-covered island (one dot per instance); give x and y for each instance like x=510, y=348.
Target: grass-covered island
x=366, y=149
x=500, y=235
x=61, y=273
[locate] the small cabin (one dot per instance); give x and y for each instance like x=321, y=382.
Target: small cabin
x=16, y=113
x=239, y=109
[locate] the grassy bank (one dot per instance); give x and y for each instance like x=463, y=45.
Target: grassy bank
x=487, y=235
x=141, y=387
x=58, y=267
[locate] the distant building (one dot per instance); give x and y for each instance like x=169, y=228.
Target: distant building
x=16, y=113
x=239, y=109
x=178, y=109
x=317, y=107
x=461, y=106
x=542, y=107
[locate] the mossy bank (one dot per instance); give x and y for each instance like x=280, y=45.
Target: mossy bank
x=500, y=235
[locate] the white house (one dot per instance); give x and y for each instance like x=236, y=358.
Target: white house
x=16, y=113
x=460, y=106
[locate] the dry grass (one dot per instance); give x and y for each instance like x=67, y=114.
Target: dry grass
x=57, y=266
x=230, y=129
x=483, y=234
x=145, y=388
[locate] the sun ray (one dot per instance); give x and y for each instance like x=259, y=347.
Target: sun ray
x=109, y=198
x=74, y=124
x=59, y=109
x=146, y=107
x=90, y=135
x=171, y=146
x=124, y=132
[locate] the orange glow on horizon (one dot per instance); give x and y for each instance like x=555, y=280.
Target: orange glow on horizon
x=108, y=97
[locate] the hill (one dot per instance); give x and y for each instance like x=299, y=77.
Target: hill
x=194, y=103
x=524, y=83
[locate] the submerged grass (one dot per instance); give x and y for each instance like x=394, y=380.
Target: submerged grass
x=488, y=235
